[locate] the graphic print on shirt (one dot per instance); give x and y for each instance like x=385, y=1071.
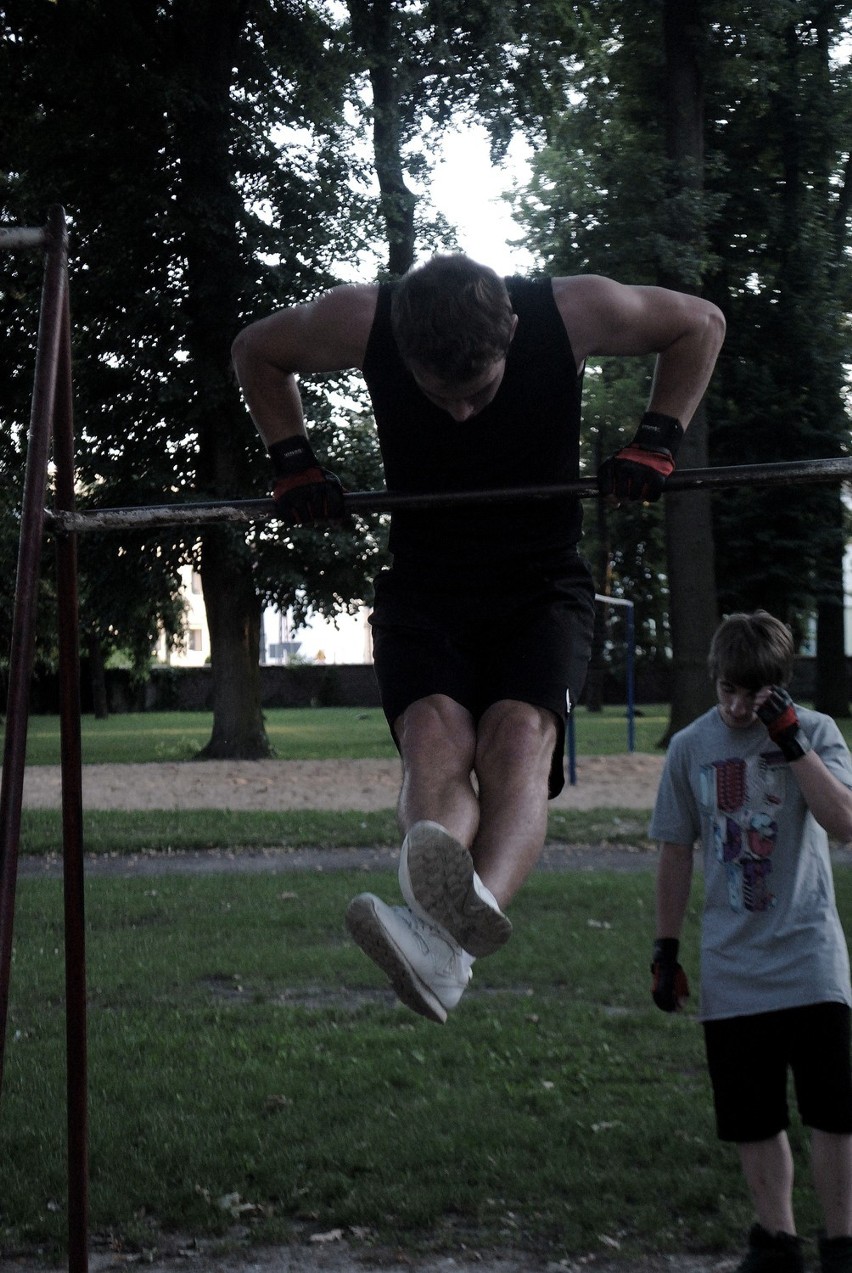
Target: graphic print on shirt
x=741, y=797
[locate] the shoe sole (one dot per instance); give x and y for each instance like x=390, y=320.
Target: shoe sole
x=367, y=932
x=436, y=878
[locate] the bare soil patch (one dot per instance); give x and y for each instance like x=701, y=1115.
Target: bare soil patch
x=626, y=781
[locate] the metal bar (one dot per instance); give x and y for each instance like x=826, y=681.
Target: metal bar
x=17, y=236
x=76, y=1029
x=22, y=650
x=798, y=472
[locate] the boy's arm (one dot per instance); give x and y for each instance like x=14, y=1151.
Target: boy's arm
x=670, y=987
x=828, y=799
x=674, y=882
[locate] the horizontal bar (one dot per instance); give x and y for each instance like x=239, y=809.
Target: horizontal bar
x=798, y=472
x=16, y=236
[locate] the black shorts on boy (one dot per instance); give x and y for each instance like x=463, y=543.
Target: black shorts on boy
x=750, y=1058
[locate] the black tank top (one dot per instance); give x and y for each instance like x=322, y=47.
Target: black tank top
x=529, y=435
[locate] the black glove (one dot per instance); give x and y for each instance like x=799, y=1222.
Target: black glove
x=639, y=470
x=778, y=714
x=303, y=491
x=669, y=989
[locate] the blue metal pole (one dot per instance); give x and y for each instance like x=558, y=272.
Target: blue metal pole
x=631, y=706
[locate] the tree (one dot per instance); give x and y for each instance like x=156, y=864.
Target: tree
x=784, y=268
x=618, y=191
x=772, y=261
x=177, y=240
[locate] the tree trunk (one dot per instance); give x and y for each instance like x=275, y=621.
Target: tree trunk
x=689, y=532
x=234, y=623
x=373, y=25
x=832, y=683
x=207, y=39
x=831, y=693
x=693, y=613
x=97, y=677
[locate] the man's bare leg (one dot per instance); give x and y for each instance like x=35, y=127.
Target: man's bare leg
x=437, y=742
x=513, y=755
x=469, y=846
x=427, y=947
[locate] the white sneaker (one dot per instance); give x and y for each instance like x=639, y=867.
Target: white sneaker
x=427, y=969
x=439, y=884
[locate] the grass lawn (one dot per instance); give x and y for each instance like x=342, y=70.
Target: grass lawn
x=248, y=1064
x=310, y=733
x=198, y=830
x=249, y=1067
x=322, y=733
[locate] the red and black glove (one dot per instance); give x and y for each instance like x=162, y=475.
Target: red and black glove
x=778, y=714
x=639, y=470
x=669, y=989
x=304, y=491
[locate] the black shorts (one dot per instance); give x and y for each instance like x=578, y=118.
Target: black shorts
x=749, y=1059
x=525, y=637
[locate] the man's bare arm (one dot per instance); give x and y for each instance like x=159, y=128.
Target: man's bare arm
x=326, y=334
x=603, y=317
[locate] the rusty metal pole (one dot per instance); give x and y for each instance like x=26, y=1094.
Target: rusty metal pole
x=22, y=649
x=76, y=1030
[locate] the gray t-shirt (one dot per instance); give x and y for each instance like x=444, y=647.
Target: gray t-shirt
x=771, y=936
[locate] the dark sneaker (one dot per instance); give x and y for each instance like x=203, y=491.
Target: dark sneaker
x=439, y=884
x=426, y=968
x=772, y=1253
x=835, y=1254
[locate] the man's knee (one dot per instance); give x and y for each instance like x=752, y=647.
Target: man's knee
x=435, y=726
x=514, y=733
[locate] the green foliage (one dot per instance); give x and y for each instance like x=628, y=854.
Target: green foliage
x=155, y=286
x=782, y=113
x=768, y=239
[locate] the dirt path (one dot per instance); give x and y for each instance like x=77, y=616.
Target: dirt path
x=626, y=781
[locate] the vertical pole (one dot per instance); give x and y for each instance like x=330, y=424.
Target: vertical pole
x=72, y=821
x=22, y=651
x=631, y=655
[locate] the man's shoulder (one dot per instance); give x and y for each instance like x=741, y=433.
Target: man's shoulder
x=342, y=318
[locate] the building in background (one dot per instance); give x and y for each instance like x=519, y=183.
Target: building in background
x=318, y=641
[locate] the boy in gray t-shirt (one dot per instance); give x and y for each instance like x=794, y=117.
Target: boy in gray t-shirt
x=762, y=784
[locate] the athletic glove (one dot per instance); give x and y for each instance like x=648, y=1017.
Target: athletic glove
x=639, y=470
x=778, y=714
x=669, y=989
x=303, y=491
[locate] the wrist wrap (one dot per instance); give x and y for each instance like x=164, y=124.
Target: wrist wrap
x=666, y=950
x=291, y=456
x=658, y=432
